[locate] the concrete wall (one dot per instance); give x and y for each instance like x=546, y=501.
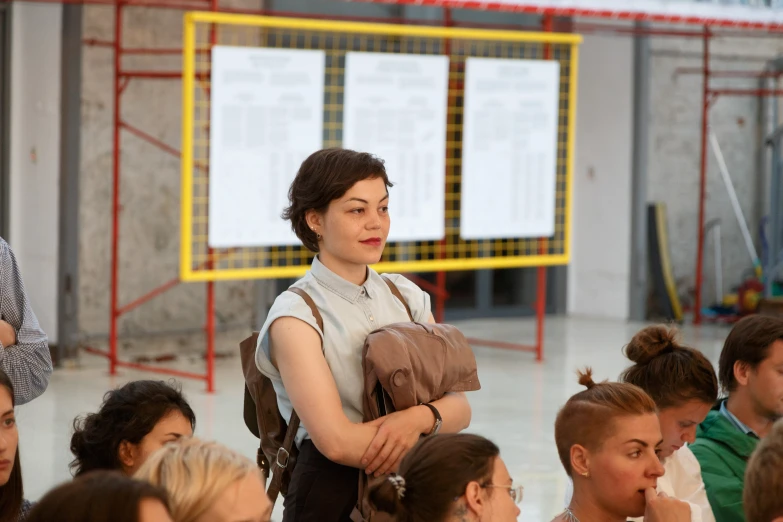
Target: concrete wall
x=150, y=188
x=674, y=152
x=35, y=153
x=598, y=277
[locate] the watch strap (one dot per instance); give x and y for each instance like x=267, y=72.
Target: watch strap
x=438, y=419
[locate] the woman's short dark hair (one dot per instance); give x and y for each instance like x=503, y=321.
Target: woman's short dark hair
x=12, y=493
x=748, y=342
x=128, y=413
x=99, y=496
x=324, y=176
x=436, y=472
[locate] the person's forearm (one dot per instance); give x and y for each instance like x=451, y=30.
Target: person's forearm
x=348, y=445
x=455, y=410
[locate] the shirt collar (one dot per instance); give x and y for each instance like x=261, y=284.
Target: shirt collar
x=735, y=421
x=340, y=286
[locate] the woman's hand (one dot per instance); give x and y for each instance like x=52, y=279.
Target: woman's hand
x=662, y=508
x=397, y=434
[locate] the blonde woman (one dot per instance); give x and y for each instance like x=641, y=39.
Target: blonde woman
x=207, y=482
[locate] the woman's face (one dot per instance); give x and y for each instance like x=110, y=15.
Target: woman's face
x=244, y=501
x=170, y=427
x=678, y=425
x=9, y=436
x=625, y=466
x=354, y=228
x=501, y=507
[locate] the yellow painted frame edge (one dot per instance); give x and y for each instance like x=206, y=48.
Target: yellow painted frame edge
x=188, y=82
x=572, y=90
x=186, y=191
x=390, y=29
x=437, y=265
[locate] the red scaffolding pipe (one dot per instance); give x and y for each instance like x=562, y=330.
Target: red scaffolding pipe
x=746, y=92
x=705, y=106
x=115, y=222
x=541, y=272
x=709, y=96
x=727, y=74
x=121, y=78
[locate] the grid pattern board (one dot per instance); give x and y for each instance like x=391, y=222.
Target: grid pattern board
x=199, y=262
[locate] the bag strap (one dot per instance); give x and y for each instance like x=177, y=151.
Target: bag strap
x=398, y=295
x=284, y=453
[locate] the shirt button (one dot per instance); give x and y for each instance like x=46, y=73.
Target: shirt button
x=372, y=318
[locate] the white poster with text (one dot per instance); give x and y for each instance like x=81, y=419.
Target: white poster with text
x=509, y=150
x=266, y=117
x=396, y=108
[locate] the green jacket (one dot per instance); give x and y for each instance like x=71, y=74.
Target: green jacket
x=723, y=452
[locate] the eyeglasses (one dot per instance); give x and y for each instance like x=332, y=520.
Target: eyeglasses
x=515, y=492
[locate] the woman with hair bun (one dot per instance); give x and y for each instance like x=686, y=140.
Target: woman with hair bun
x=683, y=385
x=449, y=478
x=608, y=439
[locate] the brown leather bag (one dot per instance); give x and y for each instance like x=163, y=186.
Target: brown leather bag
x=277, y=452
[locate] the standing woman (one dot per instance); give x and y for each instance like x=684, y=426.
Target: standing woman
x=13, y=506
x=339, y=208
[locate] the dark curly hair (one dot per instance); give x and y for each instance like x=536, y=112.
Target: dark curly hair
x=128, y=414
x=324, y=176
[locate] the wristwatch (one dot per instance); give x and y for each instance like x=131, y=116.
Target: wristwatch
x=438, y=419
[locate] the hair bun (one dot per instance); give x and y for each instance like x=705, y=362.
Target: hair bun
x=652, y=342
x=586, y=377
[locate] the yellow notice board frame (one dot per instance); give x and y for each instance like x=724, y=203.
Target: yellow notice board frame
x=198, y=262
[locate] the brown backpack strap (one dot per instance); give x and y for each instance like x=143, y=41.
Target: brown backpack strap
x=398, y=295
x=314, y=309
x=284, y=453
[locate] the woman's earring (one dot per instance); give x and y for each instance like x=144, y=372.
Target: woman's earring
x=586, y=474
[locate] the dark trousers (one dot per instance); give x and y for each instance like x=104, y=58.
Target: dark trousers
x=320, y=490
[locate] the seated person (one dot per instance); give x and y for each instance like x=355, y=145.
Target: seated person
x=608, y=438
x=683, y=384
x=13, y=506
x=103, y=496
x=207, y=482
x=751, y=373
x=133, y=421
x=449, y=478
x=764, y=479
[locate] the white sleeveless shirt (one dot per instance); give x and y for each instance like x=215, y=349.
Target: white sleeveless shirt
x=350, y=313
